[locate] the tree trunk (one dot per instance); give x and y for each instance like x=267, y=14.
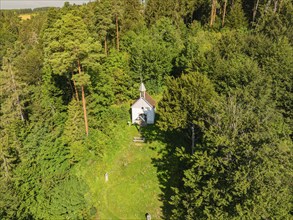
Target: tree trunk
x=275, y=6
x=84, y=111
x=213, y=12
x=224, y=13
x=117, y=32
x=255, y=10
x=83, y=103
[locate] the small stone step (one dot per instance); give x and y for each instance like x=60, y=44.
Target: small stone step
x=139, y=139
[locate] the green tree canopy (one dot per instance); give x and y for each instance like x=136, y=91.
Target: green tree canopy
x=241, y=147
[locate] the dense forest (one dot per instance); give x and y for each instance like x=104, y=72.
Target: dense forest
x=222, y=74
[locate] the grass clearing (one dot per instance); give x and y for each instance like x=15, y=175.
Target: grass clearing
x=133, y=188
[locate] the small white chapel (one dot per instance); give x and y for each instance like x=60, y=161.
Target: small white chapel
x=143, y=109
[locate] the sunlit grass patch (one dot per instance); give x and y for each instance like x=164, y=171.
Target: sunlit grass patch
x=133, y=188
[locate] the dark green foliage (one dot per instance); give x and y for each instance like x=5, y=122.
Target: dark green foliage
x=187, y=103
x=153, y=53
x=48, y=189
x=114, y=82
x=67, y=42
x=9, y=27
x=29, y=62
x=8, y=200
x=237, y=171
x=12, y=116
x=42, y=9
x=158, y=9
x=104, y=19
x=132, y=17
x=275, y=20
x=179, y=11
x=45, y=174
x=241, y=146
x=274, y=59
x=225, y=113
x=236, y=17
x=191, y=93
x=235, y=59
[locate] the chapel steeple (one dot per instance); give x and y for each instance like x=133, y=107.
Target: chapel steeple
x=142, y=90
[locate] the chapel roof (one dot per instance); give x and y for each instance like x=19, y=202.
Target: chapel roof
x=145, y=96
x=149, y=99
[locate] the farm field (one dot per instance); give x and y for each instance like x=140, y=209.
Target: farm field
x=26, y=16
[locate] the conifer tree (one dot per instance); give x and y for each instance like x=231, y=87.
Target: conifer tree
x=12, y=122
x=241, y=147
x=235, y=17
x=45, y=175
x=9, y=28
x=153, y=53
x=68, y=48
x=104, y=21
x=132, y=15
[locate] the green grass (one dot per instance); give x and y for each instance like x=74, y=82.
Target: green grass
x=133, y=187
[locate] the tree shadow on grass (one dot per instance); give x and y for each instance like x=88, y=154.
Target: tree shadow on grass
x=152, y=133
x=169, y=165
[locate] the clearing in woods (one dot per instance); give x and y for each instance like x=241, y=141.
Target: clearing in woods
x=26, y=16
x=132, y=189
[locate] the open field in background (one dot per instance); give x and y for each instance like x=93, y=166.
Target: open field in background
x=26, y=16
x=133, y=188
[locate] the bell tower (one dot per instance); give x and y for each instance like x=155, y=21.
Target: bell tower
x=142, y=90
